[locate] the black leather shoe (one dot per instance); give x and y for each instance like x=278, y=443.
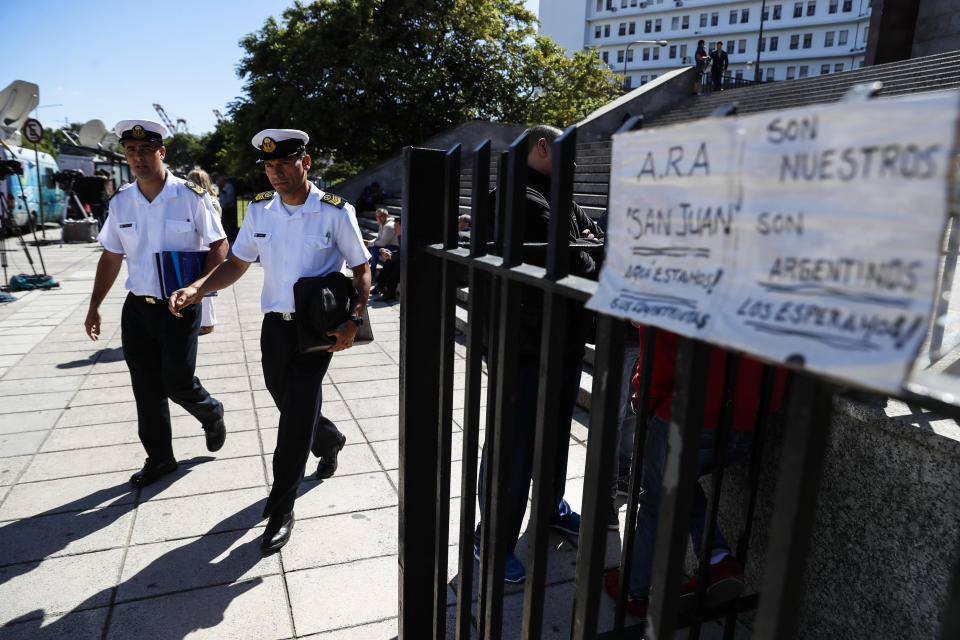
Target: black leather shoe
x=278, y=531
x=328, y=464
x=152, y=471
x=216, y=433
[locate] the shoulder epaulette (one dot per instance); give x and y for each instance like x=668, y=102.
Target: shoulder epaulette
x=264, y=195
x=336, y=201
x=193, y=186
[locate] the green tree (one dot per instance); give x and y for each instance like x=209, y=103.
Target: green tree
x=183, y=149
x=366, y=77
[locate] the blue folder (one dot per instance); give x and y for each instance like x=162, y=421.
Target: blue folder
x=177, y=269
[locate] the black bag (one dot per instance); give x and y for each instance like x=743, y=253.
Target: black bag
x=322, y=304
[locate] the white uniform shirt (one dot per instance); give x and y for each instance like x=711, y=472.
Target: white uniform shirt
x=315, y=240
x=178, y=219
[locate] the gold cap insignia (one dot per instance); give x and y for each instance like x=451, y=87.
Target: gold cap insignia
x=138, y=132
x=268, y=145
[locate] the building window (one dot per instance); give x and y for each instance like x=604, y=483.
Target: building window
x=807, y=40
x=646, y=53
x=623, y=4
x=733, y=17
x=797, y=9
x=811, y=7
x=648, y=26
x=742, y=46
x=633, y=28
x=795, y=41
x=833, y=6
x=703, y=20
x=606, y=56
x=739, y=74
x=629, y=55
x=633, y=3
x=730, y=45
x=673, y=51
x=763, y=44
x=610, y=5
x=824, y=69
x=627, y=82
x=837, y=68
x=653, y=77
x=656, y=53
x=675, y=23
x=597, y=32
x=686, y=22
x=804, y=71
x=744, y=16
x=777, y=11
x=842, y=37
x=622, y=29
x=766, y=13
x=606, y=31
x=714, y=18
x=619, y=55
x=770, y=74
x=828, y=39
x=791, y=73
x=683, y=51
x=658, y=25
x=847, y=5
x=866, y=30
x=774, y=42
x=599, y=5
x=643, y=79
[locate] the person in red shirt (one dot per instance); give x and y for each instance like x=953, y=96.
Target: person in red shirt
x=726, y=573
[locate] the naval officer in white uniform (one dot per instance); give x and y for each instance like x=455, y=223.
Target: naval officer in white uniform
x=157, y=212
x=296, y=231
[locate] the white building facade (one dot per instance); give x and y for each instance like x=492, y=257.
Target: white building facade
x=800, y=38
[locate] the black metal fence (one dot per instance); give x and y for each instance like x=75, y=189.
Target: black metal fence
x=727, y=81
x=495, y=272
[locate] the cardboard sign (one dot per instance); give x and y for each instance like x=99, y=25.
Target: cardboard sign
x=809, y=236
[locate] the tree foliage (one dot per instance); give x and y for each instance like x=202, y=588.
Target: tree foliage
x=183, y=150
x=366, y=77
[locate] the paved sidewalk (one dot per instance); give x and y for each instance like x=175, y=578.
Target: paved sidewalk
x=84, y=556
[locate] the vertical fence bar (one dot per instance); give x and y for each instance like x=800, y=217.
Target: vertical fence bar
x=807, y=425
x=493, y=338
x=448, y=302
x=547, y=438
x=419, y=379
x=679, y=476
x=476, y=306
x=720, y=461
x=636, y=471
x=601, y=445
x=506, y=374
x=756, y=462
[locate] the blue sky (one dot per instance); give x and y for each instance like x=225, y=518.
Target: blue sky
x=112, y=60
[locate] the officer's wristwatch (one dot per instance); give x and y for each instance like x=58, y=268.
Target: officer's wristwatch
x=357, y=320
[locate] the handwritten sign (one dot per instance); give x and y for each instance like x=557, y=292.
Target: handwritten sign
x=809, y=236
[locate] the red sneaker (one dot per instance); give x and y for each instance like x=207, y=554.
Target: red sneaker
x=726, y=583
x=636, y=608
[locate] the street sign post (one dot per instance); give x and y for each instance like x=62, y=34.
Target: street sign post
x=33, y=131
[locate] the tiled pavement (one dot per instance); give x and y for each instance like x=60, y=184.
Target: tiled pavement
x=84, y=556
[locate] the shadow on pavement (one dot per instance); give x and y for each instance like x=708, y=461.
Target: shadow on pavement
x=102, y=355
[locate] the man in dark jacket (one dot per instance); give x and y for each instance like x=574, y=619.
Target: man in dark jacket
x=535, y=230
x=718, y=64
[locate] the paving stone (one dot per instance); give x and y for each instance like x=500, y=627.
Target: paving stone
x=27, y=403
x=238, y=444
x=358, y=374
x=63, y=464
x=21, y=444
x=208, y=477
x=220, y=558
x=66, y=583
x=372, y=360
x=231, y=401
x=344, y=494
x=65, y=534
x=99, y=397
x=342, y=538
x=10, y=468
x=47, y=385
x=326, y=598
x=385, y=630
x=369, y=389
x=374, y=407
x=251, y=610
x=240, y=420
x=98, y=414
x=337, y=410
x=388, y=452
x=28, y=499
x=70, y=626
x=98, y=435
x=106, y=380
x=191, y=516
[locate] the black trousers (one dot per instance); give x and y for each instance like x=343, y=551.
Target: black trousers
x=294, y=381
x=717, y=80
x=229, y=221
x=161, y=354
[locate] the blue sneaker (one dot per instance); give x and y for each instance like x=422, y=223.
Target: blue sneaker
x=513, y=570
x=568, y=524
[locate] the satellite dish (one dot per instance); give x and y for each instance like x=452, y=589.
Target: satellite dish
x=92, y=133
x=16, y=103
x=110, y=142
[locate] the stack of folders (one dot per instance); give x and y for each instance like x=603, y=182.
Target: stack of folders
x=177, y=269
